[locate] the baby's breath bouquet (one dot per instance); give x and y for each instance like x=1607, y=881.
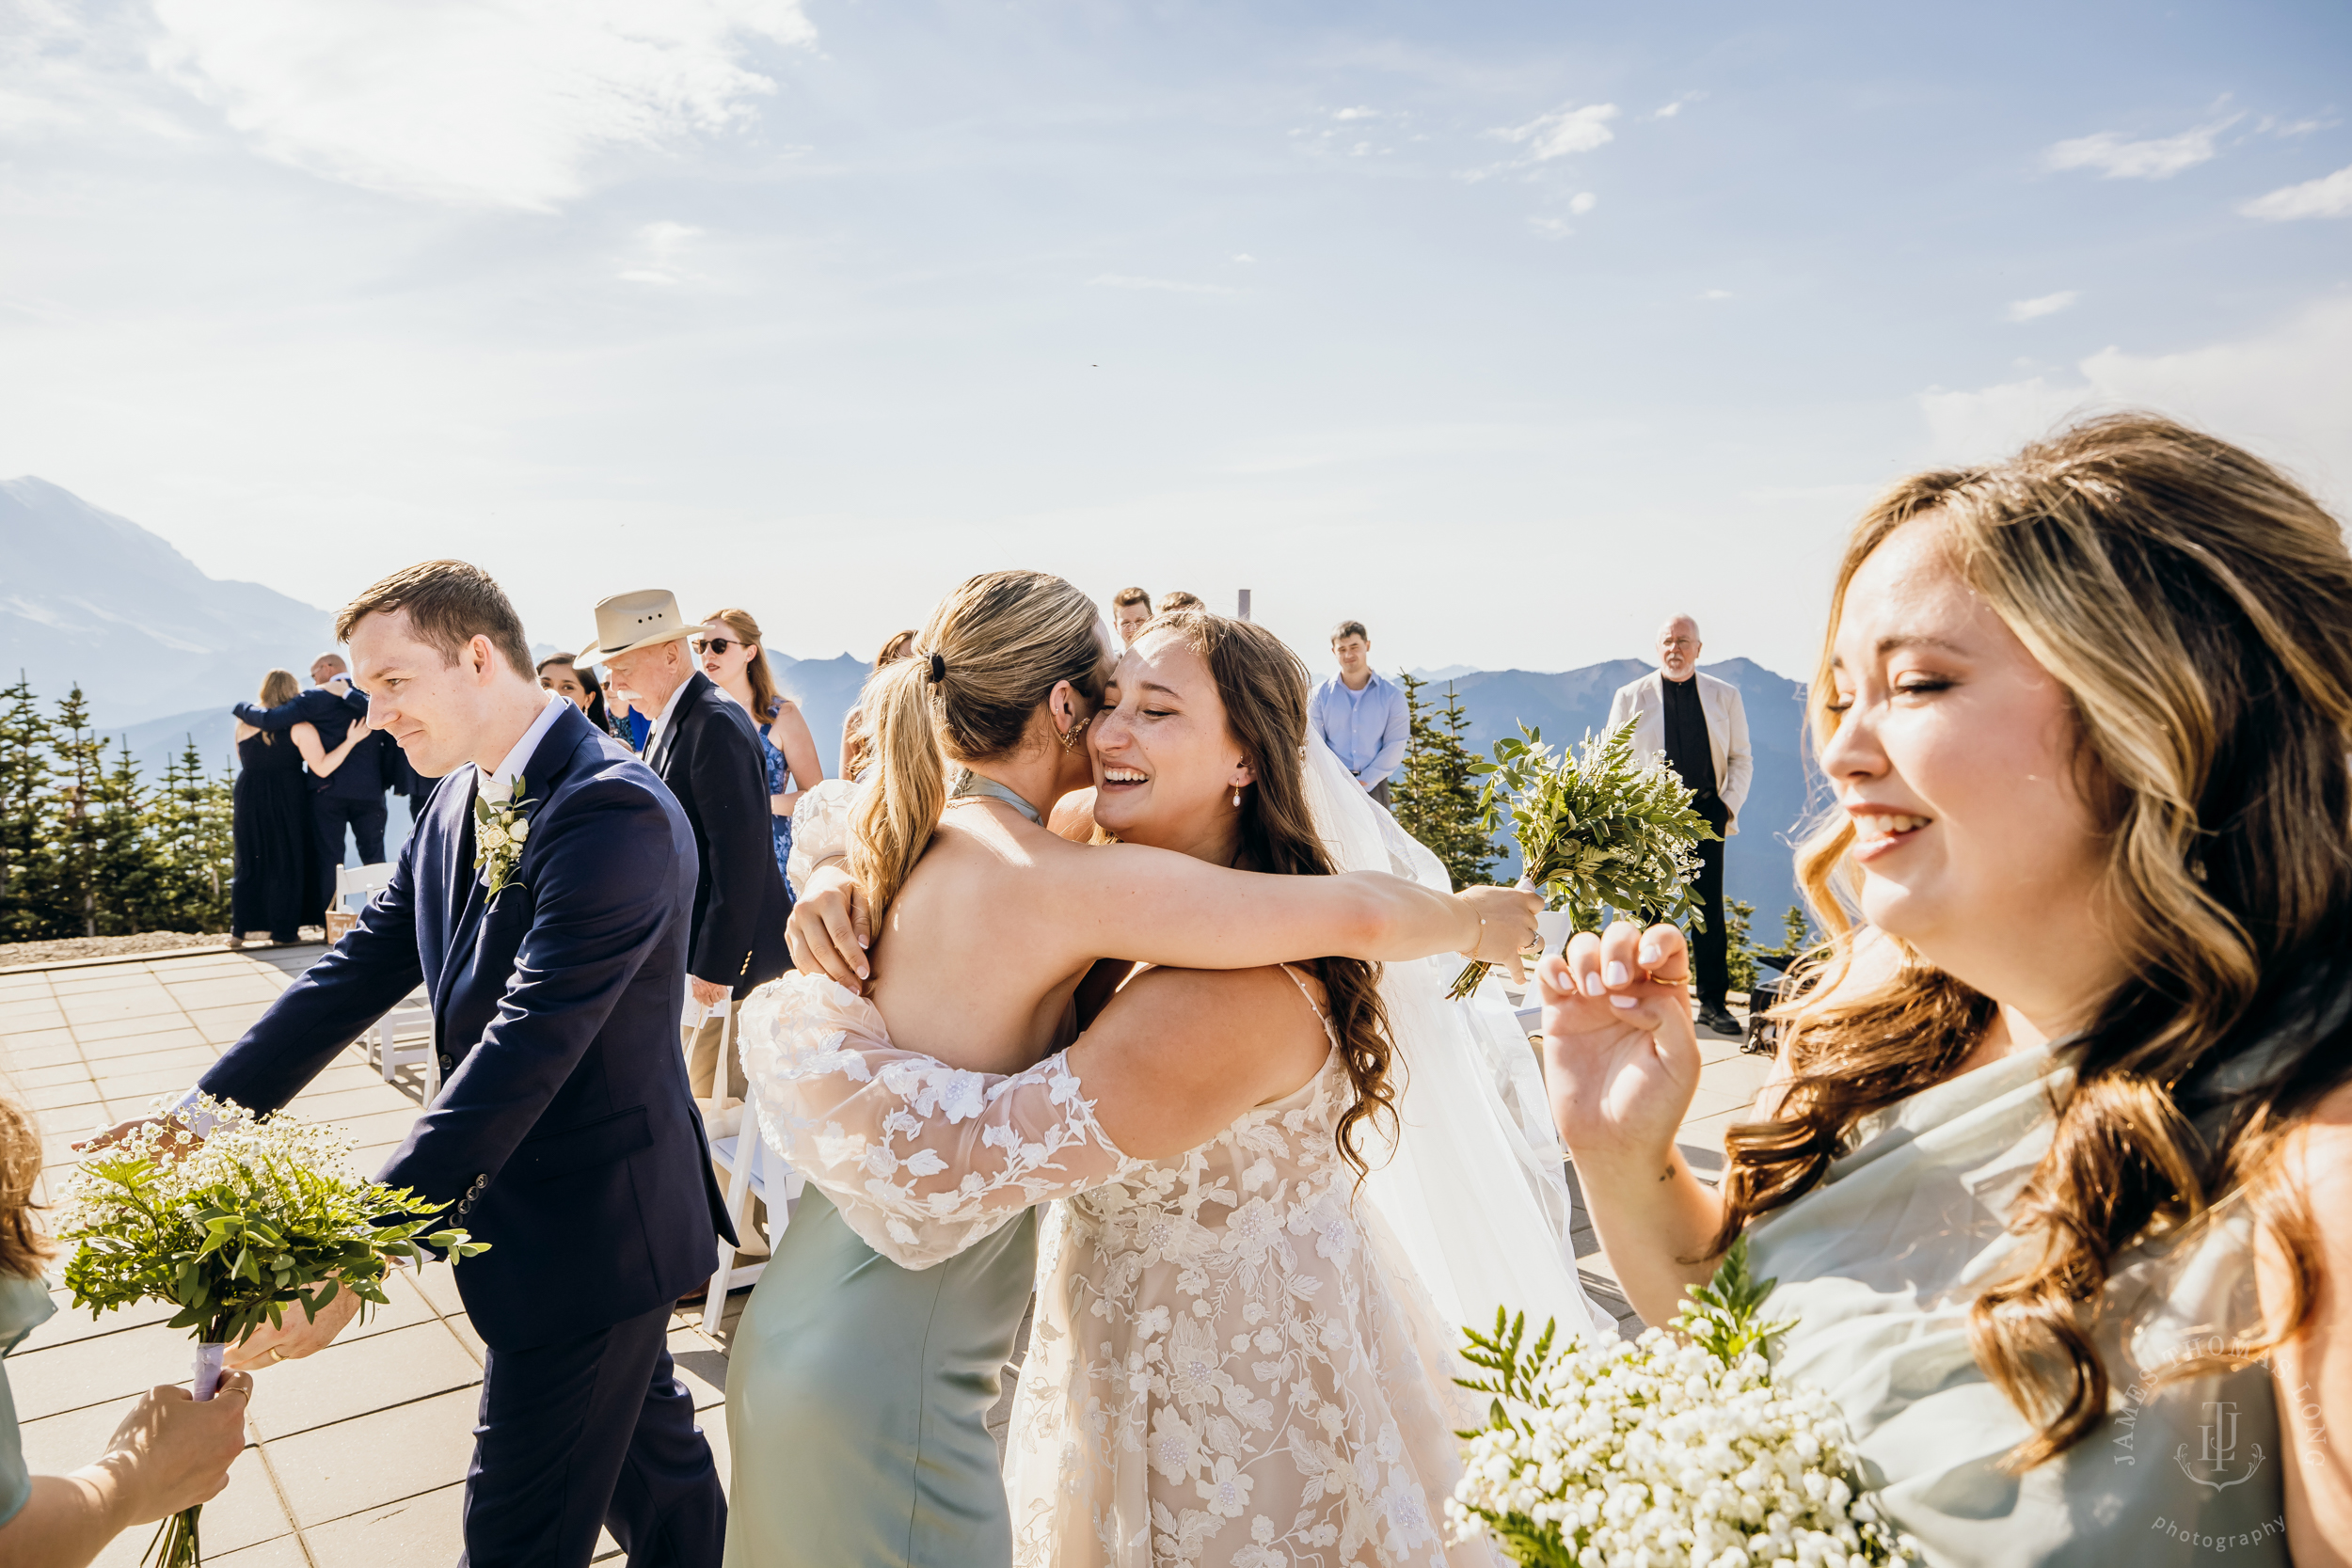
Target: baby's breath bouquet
x=1596, y=830
x=1676, y=1450
x=234, y=1227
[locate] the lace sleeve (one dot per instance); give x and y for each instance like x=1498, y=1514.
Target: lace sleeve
x=921, y=1159
x=820, y=828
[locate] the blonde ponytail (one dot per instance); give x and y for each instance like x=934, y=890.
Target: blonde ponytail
x=909, y=787
x=980, y=668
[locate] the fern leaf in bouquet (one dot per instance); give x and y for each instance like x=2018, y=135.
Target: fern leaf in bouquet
x=1597, y=829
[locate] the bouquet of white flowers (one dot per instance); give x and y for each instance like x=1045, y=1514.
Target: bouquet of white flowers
x=1671, y=1452
x=234, y=1227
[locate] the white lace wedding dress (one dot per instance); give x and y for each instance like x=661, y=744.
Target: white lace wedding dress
x=1230, y=1363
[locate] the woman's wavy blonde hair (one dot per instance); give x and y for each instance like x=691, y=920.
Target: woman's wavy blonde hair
x=25, y=1250
x=2197, y=607
x=277, y=687
x=981, y=668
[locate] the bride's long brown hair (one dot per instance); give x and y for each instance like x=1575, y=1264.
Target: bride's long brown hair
x=1263, y=687
x=2197, y=607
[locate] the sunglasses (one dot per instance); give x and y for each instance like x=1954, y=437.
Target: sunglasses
x=715, y=645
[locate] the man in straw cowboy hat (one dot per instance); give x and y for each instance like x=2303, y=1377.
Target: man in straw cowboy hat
x=703, y=745
x=543, y=901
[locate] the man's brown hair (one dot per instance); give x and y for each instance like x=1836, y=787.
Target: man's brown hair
x=450, y=603
x=1349, y=629
x=1179, y=599
x=1126, y=597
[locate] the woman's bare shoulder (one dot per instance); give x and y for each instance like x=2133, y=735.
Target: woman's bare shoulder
x=1264, y=1002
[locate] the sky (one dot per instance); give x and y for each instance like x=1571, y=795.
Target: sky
x=1508, y=329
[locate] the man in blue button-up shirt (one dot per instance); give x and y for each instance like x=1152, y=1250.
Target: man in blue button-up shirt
x=1360, y=715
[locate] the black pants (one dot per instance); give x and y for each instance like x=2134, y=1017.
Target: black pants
x=1710, y=946
x=1379, y=792
x=591, y=1431
x=365, y=816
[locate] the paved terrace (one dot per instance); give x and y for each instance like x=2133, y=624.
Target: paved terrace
x=357, y=1455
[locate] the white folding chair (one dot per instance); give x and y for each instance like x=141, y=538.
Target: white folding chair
x=753, y=1172
x=402, y=1036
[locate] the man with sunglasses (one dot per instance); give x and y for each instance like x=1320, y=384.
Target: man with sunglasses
x=703, y=745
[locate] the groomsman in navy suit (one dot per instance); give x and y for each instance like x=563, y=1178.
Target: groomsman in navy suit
x=563, y=1133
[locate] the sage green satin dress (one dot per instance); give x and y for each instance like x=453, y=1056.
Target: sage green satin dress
x=1879, y=1264
x=857, y=1399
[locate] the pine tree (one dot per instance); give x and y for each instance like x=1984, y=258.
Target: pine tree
x=192, y=845
x=77, y=839
x=25, y=872
x=1436, y=798
x=131, y=878
x=1739, y=956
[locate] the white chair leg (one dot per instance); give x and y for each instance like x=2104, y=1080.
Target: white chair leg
x=738, y=1192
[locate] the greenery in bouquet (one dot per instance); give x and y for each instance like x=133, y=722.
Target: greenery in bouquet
x=1596, y=830
x=1678, y=1449
x=235, y=1227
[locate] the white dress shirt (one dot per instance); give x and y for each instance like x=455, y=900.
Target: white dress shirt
x=661, y=731
x=520, y=754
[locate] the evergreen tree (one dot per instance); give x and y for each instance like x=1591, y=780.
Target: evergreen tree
x=130, y=878
x=25, y=872
x=1739, y=956
x=189, y=829
x=76, y=837
x=1436, y=796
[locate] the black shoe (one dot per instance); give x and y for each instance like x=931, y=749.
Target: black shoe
x=1721, y=1022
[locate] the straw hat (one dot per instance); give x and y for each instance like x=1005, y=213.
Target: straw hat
x=627, y=622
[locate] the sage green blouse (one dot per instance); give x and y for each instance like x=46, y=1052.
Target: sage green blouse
x=24, y=1306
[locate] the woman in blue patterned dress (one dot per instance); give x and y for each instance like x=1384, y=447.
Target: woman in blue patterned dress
x=736, y=660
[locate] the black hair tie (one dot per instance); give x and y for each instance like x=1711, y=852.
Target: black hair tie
x=939, y=669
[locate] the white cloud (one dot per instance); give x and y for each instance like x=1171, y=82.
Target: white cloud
x=1245, y=257
x=2046, y=305
x=2282, y=391
x=1360, y=112
x=1667, y=111
x=478, y=102
x=1562, y=132
x=2329, y=196
x=1714, y=294
x=1551, y=227
x=1583, y=202
x=2157, y=159
x=663, y=247
x=1169, y=285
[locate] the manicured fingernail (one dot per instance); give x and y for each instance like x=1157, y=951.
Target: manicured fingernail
x=863, y=943
x=1653, y=952
x=1625, y=1001
x=1593, y=986
x=1617, y=973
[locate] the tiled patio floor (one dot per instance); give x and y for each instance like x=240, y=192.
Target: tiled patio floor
x=358, y=1455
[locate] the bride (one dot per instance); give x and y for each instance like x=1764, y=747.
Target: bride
x=1233, y=1356
x=870, y=1354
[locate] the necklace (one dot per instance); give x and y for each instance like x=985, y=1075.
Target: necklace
x=970, y=785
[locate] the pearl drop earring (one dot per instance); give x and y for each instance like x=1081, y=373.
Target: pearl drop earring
x=1237, y=795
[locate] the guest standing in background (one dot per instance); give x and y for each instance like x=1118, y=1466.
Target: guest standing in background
x=853, y=740
x=704, y=748
x=1361, y=714
x=1131, y=608
x=1179, y=600
x=736, y=660
x=1699, y=727
x=559, y=675
x=272, y=885
x=353, y=798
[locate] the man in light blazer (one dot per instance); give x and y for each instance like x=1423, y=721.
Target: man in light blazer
x=1696, y=724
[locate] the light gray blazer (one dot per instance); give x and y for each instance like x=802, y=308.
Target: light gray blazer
x=1644, y=702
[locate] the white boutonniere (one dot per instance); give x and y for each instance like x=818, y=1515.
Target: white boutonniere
x=499, y=831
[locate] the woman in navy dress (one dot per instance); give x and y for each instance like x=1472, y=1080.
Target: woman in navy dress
x=273, y=880
x=736, y=660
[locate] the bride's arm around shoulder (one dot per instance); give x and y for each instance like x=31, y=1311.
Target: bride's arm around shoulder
x=2312, y=1370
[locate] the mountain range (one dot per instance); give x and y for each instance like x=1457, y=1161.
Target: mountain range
x=164, y=650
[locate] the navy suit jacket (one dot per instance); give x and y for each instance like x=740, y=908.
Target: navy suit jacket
x=564, y=1134
x=361, y=775
x=712, y=761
